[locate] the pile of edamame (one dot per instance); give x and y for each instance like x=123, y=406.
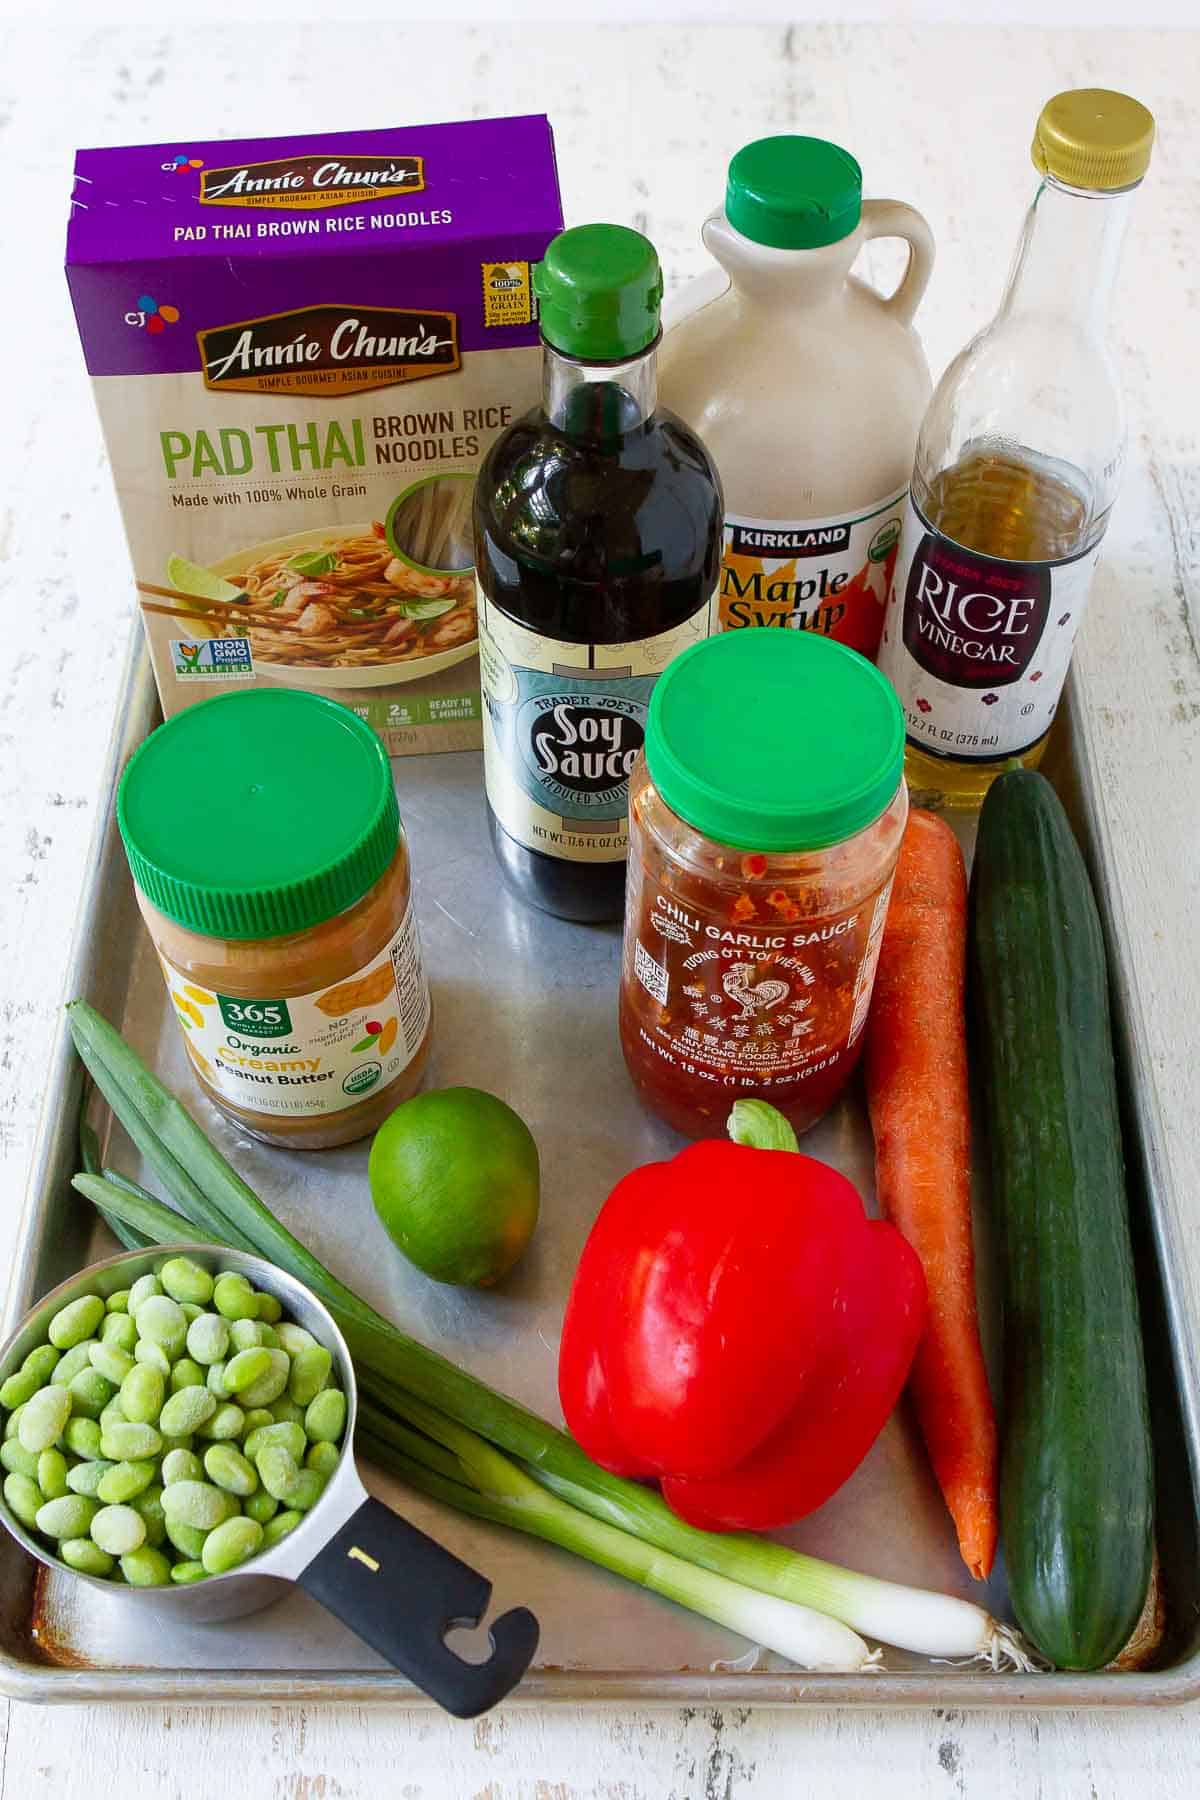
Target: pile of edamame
x=172, y=1431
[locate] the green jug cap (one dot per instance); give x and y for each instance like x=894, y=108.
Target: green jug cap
x=768, y=739
x=259, y=813
x=793, y=193
x=599, y=289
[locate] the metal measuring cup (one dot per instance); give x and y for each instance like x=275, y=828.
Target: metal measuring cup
x=396, y=1588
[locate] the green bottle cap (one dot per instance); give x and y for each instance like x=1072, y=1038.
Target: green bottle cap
x=259, y=813
x=600, y=289
x=793, y=193
x=769, y=739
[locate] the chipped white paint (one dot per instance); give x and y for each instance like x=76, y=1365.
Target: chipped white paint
x=645, y=118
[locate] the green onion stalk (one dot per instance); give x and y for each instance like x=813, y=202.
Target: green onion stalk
x=452, y=1436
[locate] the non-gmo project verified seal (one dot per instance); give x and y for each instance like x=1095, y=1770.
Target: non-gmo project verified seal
x=212, y=659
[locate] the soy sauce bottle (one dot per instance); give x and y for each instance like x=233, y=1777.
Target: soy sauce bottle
x=598, y=530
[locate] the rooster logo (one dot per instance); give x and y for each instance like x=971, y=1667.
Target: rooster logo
x=753, y=996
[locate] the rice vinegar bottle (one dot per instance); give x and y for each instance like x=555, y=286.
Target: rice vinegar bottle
x=1018, y=463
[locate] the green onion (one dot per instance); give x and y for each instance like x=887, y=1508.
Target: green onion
x=398, y=1375
x=477, y=1479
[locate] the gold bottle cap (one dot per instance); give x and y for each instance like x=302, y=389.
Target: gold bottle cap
x=1093, y=138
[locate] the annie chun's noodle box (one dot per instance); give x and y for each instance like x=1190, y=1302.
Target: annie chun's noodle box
x=301, y=350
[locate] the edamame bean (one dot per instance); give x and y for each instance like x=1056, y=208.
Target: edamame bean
x=278, y=1472
x=13, y=1422
x=125, y=1481
x=190, y=1310
x=69, y=1517
x=142, y=1392
x=110, y=1360
x=25, y=1499
x=270, y=1337
x=294, y=1338
x=325, y=1417
x=230, y=1544
x=149, y=1505
x=229, y=1469
x=18, y=1389
x=120, y=1331
x=208, y=1338
x=79, y=1320
x=246, y=1334
x=197, y=1503
x=310, y=1485
x=285, y=1411
x=289, y=1434
x=68, y=1366
x=247, y=1367
x=187, y=1539
x=52, y=1474
x=85, y=1477
x=145, y=1567
x=324, y=1458
x=215, y=1381
x=127, y=1441
x=310, y=1371
x=227, y=1422
x=233, y=1296
x=257, y=1416
x=42, y=1362
x=182, y=1442
x=269, y=1309
x=185, y=1572
x=261, y=1506
x=186, y=1373
x=43, y=1419
x=113, y=1410
x=181, y=1465
x=279, y=1527
x=160, y=1319
x=90, y=1393
x=118, y=1302
x=269, y=1386
x=118, y=1529
x=187, y=1411
x=147, y=1351
x=142, y=1289
x=88, y=1558
x=17, y=1460
x=82, y=1438
x=184, y=1279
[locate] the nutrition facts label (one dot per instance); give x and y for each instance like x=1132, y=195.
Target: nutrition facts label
x=412, y=989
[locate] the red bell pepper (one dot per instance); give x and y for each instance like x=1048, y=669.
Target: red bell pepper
x=740, y=1330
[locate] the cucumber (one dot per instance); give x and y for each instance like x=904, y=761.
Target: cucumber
x=1077, y=1481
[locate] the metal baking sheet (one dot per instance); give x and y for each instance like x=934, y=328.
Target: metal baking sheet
x=525, y=1005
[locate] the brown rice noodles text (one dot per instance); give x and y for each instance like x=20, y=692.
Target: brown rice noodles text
x=347, y=602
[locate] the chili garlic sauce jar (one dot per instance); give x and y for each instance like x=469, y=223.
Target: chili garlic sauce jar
x=765, y=819
x=270, y=865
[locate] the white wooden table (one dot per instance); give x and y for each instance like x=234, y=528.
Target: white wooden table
x=645, y=120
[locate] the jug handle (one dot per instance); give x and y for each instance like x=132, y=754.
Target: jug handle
x=893, y=219
x=402, y=1592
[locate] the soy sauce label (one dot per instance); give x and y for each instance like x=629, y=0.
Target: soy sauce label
x=562, y=726
x=977, y=647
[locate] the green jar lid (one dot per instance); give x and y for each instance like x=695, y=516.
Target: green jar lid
x=778, y=740
x=258, y=813
x=794, y=193
x=599, y=289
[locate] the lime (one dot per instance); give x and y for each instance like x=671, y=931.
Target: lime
x=454, y=1178
x=191, y=578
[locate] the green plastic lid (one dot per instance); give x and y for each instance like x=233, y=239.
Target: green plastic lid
x=774, y=740
x=600, y=289
x=794, y=193
x=258, y=813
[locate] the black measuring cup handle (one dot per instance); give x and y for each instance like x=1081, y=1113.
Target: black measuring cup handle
x=401, y=1593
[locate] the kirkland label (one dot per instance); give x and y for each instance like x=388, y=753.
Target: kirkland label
x=304, y=1054
x=826, y=575
x=562, y=726
x=978, y=647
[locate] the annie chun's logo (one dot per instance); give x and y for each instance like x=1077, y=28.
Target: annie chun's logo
x=152, y=315
x=307, y=182
x=328, y=350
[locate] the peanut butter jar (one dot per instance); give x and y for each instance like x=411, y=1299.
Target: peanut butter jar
x=271, y=868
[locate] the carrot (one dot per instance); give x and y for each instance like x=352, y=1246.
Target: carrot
x=916, y=1074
